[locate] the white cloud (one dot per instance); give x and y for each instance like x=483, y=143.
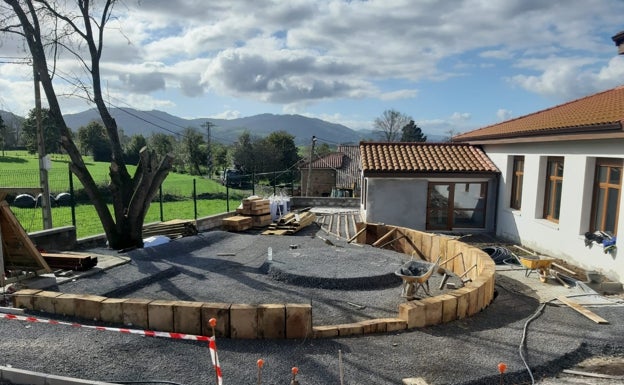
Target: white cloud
x=398, y=94
x=569, y=78
x=227, y=114
x=297, y=53
x=503, y=114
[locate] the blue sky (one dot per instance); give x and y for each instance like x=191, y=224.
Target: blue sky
x=450, y=65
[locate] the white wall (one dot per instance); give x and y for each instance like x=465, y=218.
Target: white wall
x=403, y=201
x=566, y=239
x=396, y=201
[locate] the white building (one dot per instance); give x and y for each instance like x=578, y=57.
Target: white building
x=561, y=179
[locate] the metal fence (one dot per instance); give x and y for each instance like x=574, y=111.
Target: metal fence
x=71, y=206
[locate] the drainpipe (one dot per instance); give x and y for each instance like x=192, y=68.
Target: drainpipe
x=498, y=183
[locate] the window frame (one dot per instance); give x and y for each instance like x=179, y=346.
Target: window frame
x=517, y=178
x=597, y=186
x=450, y=214
x=550, y=191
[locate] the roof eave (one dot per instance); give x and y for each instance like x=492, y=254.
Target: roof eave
x=607, y=130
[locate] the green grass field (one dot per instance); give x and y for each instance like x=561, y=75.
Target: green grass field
x=20, y=169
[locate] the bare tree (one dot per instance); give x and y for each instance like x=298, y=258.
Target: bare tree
x=390, y=123
x=50, y=27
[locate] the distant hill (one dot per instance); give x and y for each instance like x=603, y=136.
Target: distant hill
x=10, y=119
x=134, y=122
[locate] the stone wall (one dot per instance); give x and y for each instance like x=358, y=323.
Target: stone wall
x=267, y=321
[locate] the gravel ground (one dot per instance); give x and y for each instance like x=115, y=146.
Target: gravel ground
x=461, y=352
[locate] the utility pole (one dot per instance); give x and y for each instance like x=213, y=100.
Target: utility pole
x=209, y=165
x=310, y=165
x=44, y=162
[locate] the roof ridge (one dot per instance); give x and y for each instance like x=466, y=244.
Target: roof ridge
x=552, y=107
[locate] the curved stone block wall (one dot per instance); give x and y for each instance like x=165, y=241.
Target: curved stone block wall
x=268, y=321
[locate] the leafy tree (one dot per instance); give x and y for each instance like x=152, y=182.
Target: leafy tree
x=193, y=149
x=412, y=133
x=51, y=136
x=243, y=153
x=389, y=124
x=50, y=28
x=220, y=156
x=90, y=137
x=161, y=143
x=3, y=134
x=133, y=148
x=282, y=144
x=322, y=149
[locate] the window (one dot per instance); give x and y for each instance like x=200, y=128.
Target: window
x=452, y=205
x=516, y=182
x=606, y=200
x=554, y=182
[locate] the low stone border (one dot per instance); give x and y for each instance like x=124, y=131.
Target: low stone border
x=269, y=321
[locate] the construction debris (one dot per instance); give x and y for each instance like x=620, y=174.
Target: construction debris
x=253, y=212
x=291, y=223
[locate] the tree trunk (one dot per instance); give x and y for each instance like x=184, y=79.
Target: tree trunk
x=131, y=195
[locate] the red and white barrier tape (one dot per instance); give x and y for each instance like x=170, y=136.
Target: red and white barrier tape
x=212, y=344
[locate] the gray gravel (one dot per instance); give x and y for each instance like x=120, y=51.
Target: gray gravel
x=461, y=352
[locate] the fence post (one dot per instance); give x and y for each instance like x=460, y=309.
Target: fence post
x=227, y=198
x=274, y=183
x=253, y=182
x=195, y=197
x=72, y=201
x=160, y=203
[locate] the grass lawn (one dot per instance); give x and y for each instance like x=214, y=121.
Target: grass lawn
x=20, y=169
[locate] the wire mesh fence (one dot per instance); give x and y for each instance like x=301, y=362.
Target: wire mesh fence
x=178, y=198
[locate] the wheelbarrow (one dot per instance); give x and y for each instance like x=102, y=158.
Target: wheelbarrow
x=533, y=263
x=415, y=276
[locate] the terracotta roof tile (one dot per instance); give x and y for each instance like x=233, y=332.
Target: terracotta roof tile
x=424, y=157
x=333, y=160
x=604, y=110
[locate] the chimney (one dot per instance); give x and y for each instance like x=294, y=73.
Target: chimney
x=619, y=42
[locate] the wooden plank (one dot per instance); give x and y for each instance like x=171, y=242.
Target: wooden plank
x=363, y=229
x=12, y=230
x=384, y=237
x=581, y=309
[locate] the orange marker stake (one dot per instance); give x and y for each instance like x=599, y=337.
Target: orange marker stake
x=501, y=369
x=294, y=371
x=213, y=322
x=260, y=365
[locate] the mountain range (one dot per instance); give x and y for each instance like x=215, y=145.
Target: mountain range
x=226, y=131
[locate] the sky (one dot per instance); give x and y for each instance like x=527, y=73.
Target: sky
x=452, y=65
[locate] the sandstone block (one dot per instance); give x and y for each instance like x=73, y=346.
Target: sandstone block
x=298, y=320
x=65, y=304
x=243, y=321
x=24, y=299
x=160, y=315
x=89, y=306
x=45, y=301
x=111, y=310
x=187, y=317
x=220, y=312
x=271, y=321
x=135, y=312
